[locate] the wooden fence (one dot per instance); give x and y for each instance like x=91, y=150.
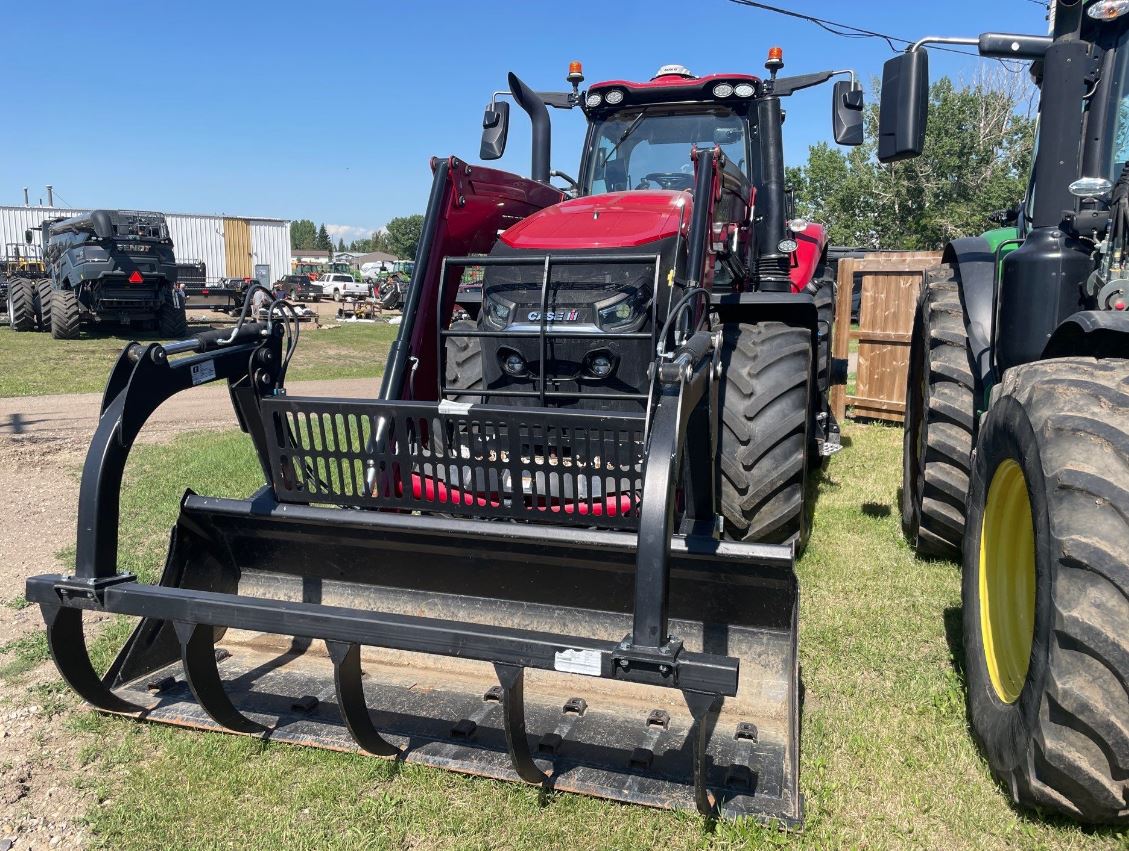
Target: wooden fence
x=890, y=284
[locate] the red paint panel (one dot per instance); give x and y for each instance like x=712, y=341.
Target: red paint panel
x=478, y=202
x=809, y=250
x=613, y=220
x=675, y=81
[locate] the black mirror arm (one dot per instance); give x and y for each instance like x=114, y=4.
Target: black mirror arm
x=995, y=45
x=559, y=100
x=784, y=86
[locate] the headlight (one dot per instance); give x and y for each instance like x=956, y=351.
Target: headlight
x=614, y=96
x=621, y=313
x=743, y=90
x=722, y=90
x=497, y=312
x=593, y=100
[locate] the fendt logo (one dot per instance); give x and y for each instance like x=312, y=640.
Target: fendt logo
x=132, y=246
x=555, y=315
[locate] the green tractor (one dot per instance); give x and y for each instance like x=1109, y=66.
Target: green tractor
x=1017, y=422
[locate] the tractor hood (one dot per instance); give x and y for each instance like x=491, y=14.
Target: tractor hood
x=612, y=220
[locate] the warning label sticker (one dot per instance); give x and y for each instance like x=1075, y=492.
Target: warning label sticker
x=203, y=371
x=572, y=661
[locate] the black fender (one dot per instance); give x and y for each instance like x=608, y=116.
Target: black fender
x=1091, y=333
x=796, y=309
x=791, y=308
x=975, y=262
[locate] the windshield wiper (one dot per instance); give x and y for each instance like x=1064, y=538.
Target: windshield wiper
x=626, y=132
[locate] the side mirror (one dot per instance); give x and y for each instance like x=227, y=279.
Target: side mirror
x=846, y=113
x=904, y=109
x=495, y=128
x=27, y=237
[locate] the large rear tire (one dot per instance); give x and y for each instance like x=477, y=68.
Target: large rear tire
x=66, y=315
x=940, y=412
x=464, y=362
x=43, y=303
x=21, y=304
x=1046, y=588
x=765, y=412
x=172, y=323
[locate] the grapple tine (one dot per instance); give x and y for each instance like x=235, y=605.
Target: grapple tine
x=512, y=679
x=346, y=658
x=704, y=708
x=198, y=655
x=68, y=649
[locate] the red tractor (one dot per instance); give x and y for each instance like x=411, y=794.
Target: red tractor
x=600, y=476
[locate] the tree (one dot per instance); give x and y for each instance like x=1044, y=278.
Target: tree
x=403, y=233
x=978, y=150
x=379, y=242
x=341, y=244
x=323, y=241
x=303, y=234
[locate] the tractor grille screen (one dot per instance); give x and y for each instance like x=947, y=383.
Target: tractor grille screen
x=543, y=465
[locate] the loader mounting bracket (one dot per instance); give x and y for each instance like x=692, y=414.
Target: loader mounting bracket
x=651, y=665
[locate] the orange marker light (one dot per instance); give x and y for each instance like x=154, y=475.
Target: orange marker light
x=575, y=74
x=776, y=54
x=575, y=67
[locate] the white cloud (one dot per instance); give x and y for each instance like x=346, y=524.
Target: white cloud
x=349, y=232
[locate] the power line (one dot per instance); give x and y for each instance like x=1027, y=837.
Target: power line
x=851, y=31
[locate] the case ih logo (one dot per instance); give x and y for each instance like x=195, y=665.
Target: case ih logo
x=555, y=316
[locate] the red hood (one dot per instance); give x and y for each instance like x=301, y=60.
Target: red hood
x=613, y=220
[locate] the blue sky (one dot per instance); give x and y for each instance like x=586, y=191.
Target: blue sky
x=331, y=110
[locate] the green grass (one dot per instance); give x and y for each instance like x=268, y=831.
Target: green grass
x=37, y=364
x=887, y=760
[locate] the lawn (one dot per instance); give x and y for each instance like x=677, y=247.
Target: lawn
x=37, y=364
x=887, y=761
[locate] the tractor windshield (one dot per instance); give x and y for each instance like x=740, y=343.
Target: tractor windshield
x=649, y=147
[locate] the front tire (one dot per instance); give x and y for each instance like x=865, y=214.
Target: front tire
x=940, y=412
x=66, y=314
x=765, y=422
x=464, y=363
x=172, y=322
x=1046, y=588
x=337, y=295
x=21, y=304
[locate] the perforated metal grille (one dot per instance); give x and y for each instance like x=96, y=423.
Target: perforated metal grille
x=545, y=465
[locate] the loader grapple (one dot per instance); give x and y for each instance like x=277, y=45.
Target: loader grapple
x=520, y=592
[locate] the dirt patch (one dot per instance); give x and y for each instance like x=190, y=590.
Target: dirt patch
x=71, y=417
x=39, y=480
x=41, y=804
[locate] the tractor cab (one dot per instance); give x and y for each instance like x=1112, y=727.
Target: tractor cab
x=681, y=193
x=641, y=134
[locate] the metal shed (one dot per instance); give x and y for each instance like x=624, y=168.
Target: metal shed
x=231, y=246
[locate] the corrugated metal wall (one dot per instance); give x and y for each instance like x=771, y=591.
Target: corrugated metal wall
x=270, y=244
x=199, y=238
x=213, y=239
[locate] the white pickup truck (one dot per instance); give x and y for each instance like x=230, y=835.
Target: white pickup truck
x=337, y=285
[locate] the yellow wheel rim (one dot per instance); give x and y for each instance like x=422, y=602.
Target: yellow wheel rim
x=1007, y=581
